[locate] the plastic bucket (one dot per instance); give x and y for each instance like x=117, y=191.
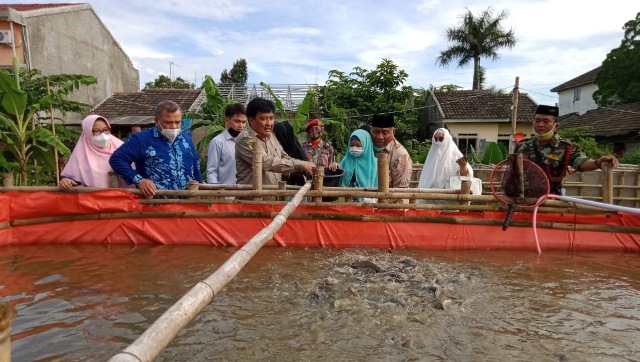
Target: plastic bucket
x=332, y=179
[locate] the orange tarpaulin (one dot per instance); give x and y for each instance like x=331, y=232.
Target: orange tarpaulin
x=308, y=226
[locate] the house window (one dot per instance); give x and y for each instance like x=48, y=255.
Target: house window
x=576, y=94
x=504, y=139
x=467, y=142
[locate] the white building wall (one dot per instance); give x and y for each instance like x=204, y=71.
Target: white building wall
x=568, y=104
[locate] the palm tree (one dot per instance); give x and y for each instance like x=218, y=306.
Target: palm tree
x=477, y=37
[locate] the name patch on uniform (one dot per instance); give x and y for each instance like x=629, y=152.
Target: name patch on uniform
x=553, y=156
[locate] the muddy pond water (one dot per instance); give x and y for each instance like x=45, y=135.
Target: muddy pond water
x=88, y=302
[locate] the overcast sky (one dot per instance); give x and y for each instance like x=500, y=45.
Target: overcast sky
x=300, y=41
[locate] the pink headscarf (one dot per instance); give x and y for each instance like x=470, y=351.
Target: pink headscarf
x=89, y=164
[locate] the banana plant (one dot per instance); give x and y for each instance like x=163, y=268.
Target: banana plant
x=20, y=138
x=211, y=113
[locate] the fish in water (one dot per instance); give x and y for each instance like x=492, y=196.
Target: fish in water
x=366, y=266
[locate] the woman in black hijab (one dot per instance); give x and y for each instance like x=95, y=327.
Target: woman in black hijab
x=291, y=145
x=288, y=140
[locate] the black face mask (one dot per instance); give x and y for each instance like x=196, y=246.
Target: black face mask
x=233, y=132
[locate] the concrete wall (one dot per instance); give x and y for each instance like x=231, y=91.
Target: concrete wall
x=73, y=40
x=586, y=102
x=487, y=131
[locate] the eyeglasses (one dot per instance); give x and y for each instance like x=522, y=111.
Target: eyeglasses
x=98, y=132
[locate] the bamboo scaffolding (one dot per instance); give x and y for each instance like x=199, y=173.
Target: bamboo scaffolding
x=165, y=328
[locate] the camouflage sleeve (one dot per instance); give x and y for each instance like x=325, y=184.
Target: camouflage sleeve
x=577, y=157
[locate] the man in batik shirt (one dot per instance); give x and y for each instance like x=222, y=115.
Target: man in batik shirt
x=383, y=132
x=317, y=150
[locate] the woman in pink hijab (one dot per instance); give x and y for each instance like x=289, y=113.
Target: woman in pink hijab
x=89, y=161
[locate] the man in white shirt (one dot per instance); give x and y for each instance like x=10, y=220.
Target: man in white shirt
x=221, y=154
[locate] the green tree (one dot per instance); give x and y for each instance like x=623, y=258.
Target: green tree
x=618, y=80
x=164, y=82
x=586, y=140
x=237, y=74
x=21, y=138
x=351, y=99
x=477, y=37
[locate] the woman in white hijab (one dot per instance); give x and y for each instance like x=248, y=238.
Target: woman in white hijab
x=443, y=161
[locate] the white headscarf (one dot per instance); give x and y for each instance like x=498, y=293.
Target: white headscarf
x=441, y=163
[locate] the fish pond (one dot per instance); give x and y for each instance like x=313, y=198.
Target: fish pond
x=88, y=302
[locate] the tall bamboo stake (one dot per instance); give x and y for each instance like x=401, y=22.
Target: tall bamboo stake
x=257, y=166
x=163, y=330
x=53, y=130
x=514, y=116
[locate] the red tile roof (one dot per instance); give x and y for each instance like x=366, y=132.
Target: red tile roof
x=471, y=104
x=31, y=7
x=139, y=107
x=144, y=103
x=614, y=121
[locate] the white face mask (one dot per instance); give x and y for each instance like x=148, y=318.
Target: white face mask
x=356, y=151
x=171, y=134
x=101, y=140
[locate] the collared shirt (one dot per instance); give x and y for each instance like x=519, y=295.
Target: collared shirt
x=170, y=165
x=274, y=159
x=321, y=155
x=400, y=164
x=221, y=159
x=552, y=157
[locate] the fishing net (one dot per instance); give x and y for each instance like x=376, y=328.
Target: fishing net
x=518, y=182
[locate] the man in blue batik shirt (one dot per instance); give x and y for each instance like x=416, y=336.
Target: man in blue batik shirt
x=164, y=158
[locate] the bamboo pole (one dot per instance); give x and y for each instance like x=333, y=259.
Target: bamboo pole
x=514, y=116
x=53, y=130
x=465, y=189
x=383, y=175
x=318, y=182
x=607, y=183
x=282, y=186
x=435, y=219
x=192, y=185
x=257, y=166
x=7, y=313
x=163, y=330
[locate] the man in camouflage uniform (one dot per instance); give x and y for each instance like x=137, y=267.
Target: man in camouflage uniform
x=318, y=151
x=554, y=154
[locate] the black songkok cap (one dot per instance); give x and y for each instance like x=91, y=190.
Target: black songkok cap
x=383, y=121
x=547, y=110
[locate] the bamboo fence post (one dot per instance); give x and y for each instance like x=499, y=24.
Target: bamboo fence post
x=383, y=174
x=465, y=189
x=607, y=183
x=193, y=185
x=7, y=179
x=514, y=116
x=165, y=328
x=282, y=185
x=318, y=181
x=257, y=166
x=114, y=181
x=7, y=313
x=53, y=131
